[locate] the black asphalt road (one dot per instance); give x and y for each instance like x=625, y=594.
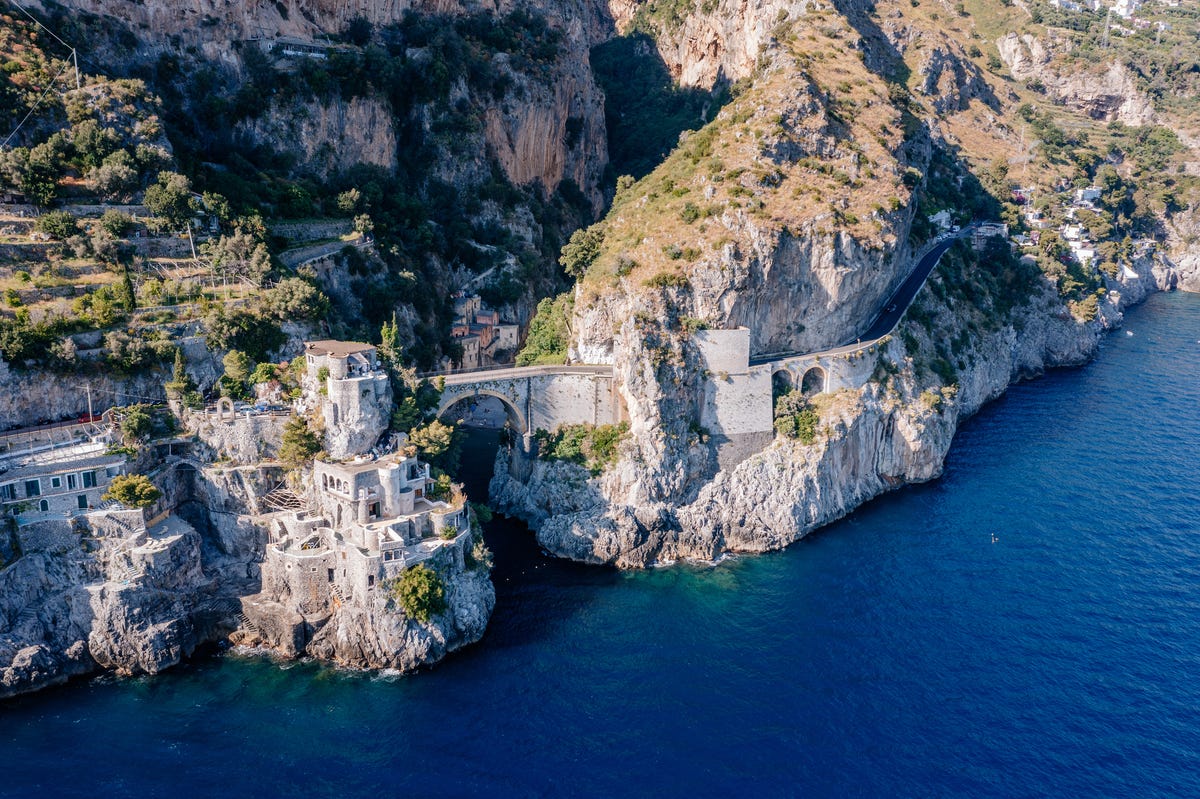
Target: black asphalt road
x=895, y=307
x=904, y=295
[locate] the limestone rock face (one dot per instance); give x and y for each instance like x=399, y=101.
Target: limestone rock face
x=106, y=594
x=361, y=126
x=723, y=42
x=1109, y=93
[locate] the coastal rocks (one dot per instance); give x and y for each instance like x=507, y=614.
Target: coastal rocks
x=382, y=637
x=375, y=632
x=108, y=593
x=891, y=432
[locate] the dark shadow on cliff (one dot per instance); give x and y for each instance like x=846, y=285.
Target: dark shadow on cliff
x=644, y=110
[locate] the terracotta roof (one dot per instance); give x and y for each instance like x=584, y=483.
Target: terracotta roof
x=337, y=349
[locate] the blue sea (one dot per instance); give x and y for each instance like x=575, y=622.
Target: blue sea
x=1026, y=626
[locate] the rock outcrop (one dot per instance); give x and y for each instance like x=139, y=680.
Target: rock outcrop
x=107, y=593
x=1108, y=92
x=890, y=433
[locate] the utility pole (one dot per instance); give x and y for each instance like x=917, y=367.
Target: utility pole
x=75, y=58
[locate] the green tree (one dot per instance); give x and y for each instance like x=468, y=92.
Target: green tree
x=582, y=250
x=295, y=298
x=116, y=223
x=136, y=423
x=264, y=373
x=238, y=367
x=391, y=351
x=299, y=442
x=117, y=177
x=420, y=593
x=241, y=254
x=170, y=198
x=133, y=490
x=182, y=387
x=439, y=443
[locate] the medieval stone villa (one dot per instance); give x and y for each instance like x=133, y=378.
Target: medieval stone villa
x=370, y=520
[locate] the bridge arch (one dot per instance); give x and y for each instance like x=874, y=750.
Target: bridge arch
x=783, y=381
x=815, y=381
x=516, y=418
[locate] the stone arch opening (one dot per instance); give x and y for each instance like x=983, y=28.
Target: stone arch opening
x=782, y=382
x=225, y=408
x=815, y=381
x=460, y=408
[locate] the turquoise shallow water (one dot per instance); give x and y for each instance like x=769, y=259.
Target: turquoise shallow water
x=898, y=652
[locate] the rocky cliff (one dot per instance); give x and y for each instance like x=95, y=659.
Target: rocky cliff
x=1108, y=92
x=891, y=432
x=805, y=265
x=106, y=592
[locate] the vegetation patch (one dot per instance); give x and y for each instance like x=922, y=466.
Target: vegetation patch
x=420, y=593
x=592, y=446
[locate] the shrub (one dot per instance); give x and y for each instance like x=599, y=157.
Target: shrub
x=667, y=280
x=116, y=223
x=420, y=593
x=136, y=423
x=58, y=225
x=794, y=417
x=549, y=332
x=591, y=446
x=133, y=490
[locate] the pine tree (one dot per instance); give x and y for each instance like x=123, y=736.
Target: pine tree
x=299, y=442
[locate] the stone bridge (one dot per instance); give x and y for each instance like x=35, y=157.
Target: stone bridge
x=739, y=391
x=738, y=408
x=540, y=397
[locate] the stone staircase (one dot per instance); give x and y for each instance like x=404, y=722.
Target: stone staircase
x=248, y=624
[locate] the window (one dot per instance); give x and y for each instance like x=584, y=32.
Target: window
x=56, y=482
x=8, y=491
x=82, y=500
x=330, y=574
x=33, y=488
x=89, y=479
x=70, y=481
x=44, y=505
x=370, y=581
x=112, y=471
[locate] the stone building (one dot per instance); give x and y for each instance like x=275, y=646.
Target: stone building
x=485, y=340
x=56, y=482
x=368, y=521
x=354, y=394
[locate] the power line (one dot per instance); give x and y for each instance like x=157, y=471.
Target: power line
x=72, y=60
x=39, y=24
x=34, y=107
